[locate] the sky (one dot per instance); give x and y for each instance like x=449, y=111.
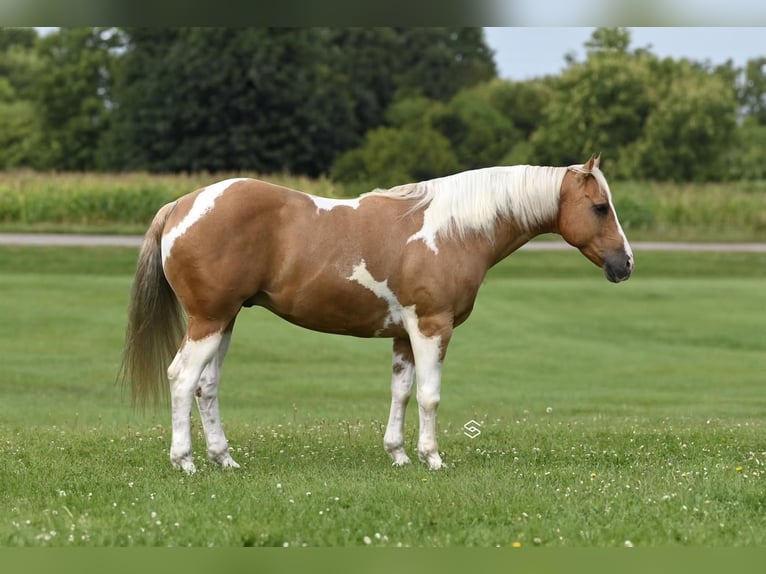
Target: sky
x=523, y=53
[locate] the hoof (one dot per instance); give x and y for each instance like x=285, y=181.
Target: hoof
x=433, y=460
x=228, y=462
x=186, y=465
x=223, y=459
x=400, y=459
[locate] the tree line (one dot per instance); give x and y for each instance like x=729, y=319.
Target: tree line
x=377, y=106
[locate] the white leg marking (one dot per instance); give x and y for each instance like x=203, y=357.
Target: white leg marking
x=428, y=369
x=207, y=402
x=396, y=312
x=203, y=203
x=184, y=374
x=401, y=389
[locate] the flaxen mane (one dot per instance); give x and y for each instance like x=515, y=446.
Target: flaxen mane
x=472, y=201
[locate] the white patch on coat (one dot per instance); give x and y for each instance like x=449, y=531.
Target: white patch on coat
x=381, y=289
x=203, y=203
x=328, y=204
x=427, y=233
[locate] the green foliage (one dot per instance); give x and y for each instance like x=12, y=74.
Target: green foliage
x=600, y=105
x=20, y=133
x=72, y=95
x=442, y=61
x=20, y=65
x=690, y=131
x=478, y=132
x=747, y=158
x=274, y=99
x=308, y=101
x=652, y=118
x=393, y=156
x=753, y=91
x=226, y=99
x=522, y=103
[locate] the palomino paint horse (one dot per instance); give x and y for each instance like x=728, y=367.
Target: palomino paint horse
x=404, y=263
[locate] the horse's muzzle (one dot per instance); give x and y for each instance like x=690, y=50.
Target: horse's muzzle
x=618, y=267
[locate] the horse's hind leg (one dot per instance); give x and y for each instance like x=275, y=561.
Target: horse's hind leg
x=199, y=348
x=207, y=402
x=401, y=389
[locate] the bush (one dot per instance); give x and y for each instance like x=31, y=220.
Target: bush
x=393, y=156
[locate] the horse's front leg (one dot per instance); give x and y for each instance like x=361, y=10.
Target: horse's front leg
x=401, y=389
x=429, y=338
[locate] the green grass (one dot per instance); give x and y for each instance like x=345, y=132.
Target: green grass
x=609, y=414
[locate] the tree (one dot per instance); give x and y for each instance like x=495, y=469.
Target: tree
x=230, y=99
x=393, y=156
x=600, y=105
x=479, y=134
x=690, y=132
x=652, y=118
x=72, y=95
x=19, y=66
x=438, y=62
x=608, y=40
x=752, y=94
x=274, y=99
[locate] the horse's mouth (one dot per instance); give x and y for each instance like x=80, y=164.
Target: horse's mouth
x=615, y=278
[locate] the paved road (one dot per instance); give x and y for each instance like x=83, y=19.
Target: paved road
x=135, y=241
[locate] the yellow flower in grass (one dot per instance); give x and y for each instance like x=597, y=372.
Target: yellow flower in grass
x=516, y=544
x=740, y=468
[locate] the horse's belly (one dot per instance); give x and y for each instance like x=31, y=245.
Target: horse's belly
x=341, y=315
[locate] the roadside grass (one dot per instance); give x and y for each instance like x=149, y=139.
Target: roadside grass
x=609, y=416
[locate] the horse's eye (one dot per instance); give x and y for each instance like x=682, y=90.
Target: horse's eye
x=601, y=208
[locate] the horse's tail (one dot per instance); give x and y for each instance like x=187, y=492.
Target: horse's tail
x=155, y=322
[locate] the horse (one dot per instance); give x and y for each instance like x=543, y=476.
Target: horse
x=404, y=263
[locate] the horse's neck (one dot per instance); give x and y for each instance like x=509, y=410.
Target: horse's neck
x=509, y=237
x=507, y=240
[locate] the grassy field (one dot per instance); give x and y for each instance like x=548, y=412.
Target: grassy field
x=610, y=416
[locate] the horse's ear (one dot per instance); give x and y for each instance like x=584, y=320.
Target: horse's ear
x=597, y=160
x=591, y=163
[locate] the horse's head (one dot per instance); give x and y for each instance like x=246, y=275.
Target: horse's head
x=587, y=220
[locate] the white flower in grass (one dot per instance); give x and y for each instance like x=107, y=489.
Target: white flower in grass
x=367, y=540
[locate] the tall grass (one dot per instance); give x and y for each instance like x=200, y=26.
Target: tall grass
x=89, y=202
x=711, y=211
x=108, y=202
